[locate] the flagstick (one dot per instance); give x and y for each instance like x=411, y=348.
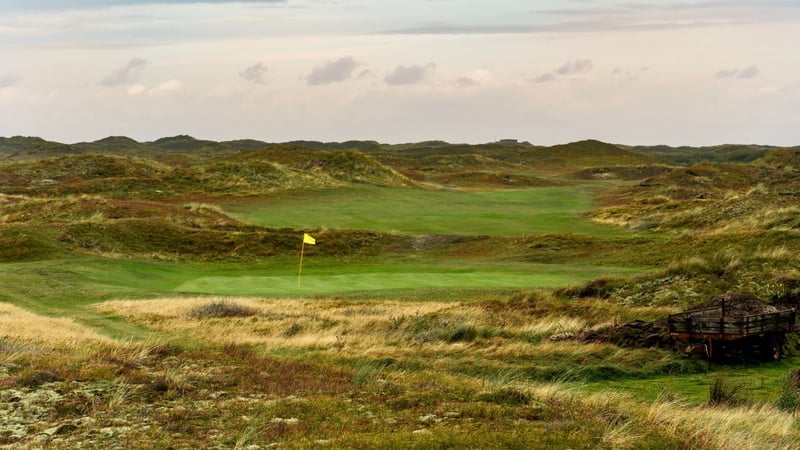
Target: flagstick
x=299, y=272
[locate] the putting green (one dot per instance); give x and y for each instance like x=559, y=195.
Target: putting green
x=542, y=276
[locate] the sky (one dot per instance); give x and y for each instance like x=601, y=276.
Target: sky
x=636, y=72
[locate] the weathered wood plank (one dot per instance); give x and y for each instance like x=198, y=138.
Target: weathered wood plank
x=709, y=321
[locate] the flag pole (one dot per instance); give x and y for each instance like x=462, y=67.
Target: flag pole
x=299, y=272
x=307, y=239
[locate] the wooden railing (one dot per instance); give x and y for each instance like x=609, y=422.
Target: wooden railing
x=711, y=323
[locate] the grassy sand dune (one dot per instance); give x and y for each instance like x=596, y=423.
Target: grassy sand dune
x=150, y=296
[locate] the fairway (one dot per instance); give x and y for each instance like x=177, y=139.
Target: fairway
x=418, y=211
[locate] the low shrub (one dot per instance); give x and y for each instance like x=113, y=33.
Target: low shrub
x=601, y=287
x=437, y=327
x=37, y=378
x=294, y=329
x=724, y=392
x=505, y=396
x=789, y=400
x=221, y=309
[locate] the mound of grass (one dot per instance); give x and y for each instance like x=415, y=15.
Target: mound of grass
x=204, y=234
x=505, y=396
x=23, y=243
x=347, y=166
x=81, y=166
x=601, y=287
x=626, y=173
x=188, y=144
x=707, y=198
x=490, y=180
x=719, y=153
x=166, y=240
x=586, y=153
x=220, y=309
x=783, y=158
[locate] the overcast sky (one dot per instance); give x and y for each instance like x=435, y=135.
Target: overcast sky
x=546, y=71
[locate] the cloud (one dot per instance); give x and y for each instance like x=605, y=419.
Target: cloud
x=254, y=73
x=409, y=74
x=630, y=73
x=137, y=89
x=466, y=82
x=32, y=5
x=575, y=67
x=8, y=80
x=587, y=25
x=546, y=77
x=639, y=7
x=332, y=72
x=126, y=74
x=747, y=72
x=167, y=86
x=366, y=73
x=593, y=16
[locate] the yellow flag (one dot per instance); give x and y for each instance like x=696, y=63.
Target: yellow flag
x=307, y=239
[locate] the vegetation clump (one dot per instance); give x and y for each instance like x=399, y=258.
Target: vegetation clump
x=221, y=309
x=635, y=334
x=789, y=399
x=436, y=327
x=505, y=396
x=786, y=291
x=725, y=392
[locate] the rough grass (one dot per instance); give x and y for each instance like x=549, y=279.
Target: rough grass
x=376, y=379
x=400, y=330
x=707, y=198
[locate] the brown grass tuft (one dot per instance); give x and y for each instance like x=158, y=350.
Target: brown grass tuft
x=220, y=309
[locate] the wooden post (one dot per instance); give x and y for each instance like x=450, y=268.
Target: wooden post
x=710, y=349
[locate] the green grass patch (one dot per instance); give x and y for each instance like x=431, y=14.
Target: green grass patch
x=340, y=278
x=762, y=382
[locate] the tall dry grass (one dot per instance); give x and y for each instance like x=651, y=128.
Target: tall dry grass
x=444, y=334
x=283, y=323
x=628, y=422
x=26, y=327
x=371, y=328
x=754, y=427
